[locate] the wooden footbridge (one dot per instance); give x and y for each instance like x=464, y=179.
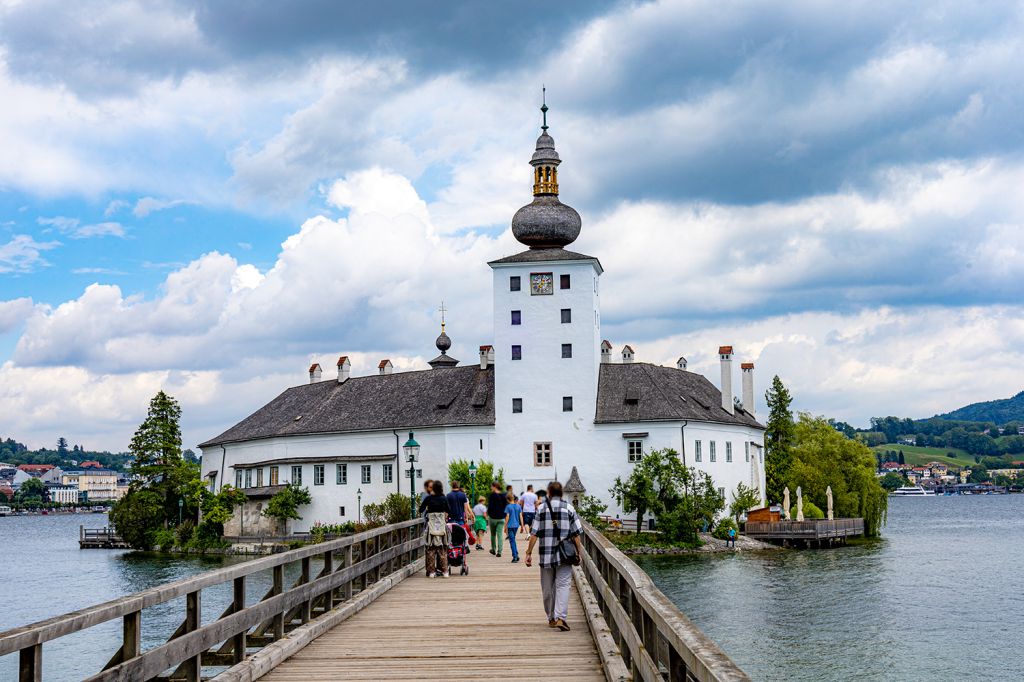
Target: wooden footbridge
x=360, y=608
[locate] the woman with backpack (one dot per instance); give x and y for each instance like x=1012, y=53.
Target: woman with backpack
x=435, y=506
x=558, y=528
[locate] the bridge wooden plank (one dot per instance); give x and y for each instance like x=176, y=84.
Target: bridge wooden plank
x=488, y=624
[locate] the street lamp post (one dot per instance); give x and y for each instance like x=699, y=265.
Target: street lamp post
x=412, y=455
x=181, y=503
x=472, y=482
x=359, y=505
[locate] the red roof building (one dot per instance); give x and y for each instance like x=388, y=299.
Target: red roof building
x=36, y=469
x=91, y=463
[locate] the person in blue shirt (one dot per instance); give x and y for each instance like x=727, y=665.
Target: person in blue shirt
x=513, y=523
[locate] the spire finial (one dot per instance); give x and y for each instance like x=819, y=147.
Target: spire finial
x=544, y=107
x=443, y=311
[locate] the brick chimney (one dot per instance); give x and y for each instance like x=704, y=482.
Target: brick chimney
x=681, y=363
x=314, y=373
x=725, y=356
x=627, y=354
x=747, y=371
x=344, y=369
x=606, y=352
x=385, y=366
x=486, y=356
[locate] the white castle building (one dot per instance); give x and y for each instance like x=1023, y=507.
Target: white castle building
x=547, y=401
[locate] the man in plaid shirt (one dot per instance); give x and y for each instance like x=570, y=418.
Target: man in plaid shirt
x=555, y=577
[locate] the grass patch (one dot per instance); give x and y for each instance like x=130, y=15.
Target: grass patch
x=919, y=456
x=627, y=542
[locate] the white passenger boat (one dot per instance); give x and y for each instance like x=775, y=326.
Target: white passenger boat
x=913, y=491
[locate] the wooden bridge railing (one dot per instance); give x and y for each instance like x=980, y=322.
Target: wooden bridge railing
x=350, y=564
x=656, y=641
x=810, y=529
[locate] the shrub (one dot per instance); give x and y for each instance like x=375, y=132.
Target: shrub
x=394, y=508
x=285, y=504
x=590, y=509
x=164, y=539
x=811, y=511
x=722, y=529
x=458, y=470
x=183, y=533
x=137, y=517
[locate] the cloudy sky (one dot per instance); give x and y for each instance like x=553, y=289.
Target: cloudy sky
x=204, y=197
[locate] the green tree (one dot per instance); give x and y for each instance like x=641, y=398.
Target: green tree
x=694, y=510
x=285, y=504
x=139, y=517
x=823, y=457
x=656, y=480
x=979, y=474
x=458, y=470
x=811, y=511
x=590, y=508
x=743, y=498
x=62, y=447
x=392, y=509
x=779, y=438
x=31, y=493
x=892, y=481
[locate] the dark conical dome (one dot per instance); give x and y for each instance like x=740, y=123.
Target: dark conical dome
x=443, y=343
x=546, y=223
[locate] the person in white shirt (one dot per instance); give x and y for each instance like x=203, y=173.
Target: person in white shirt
x=529, y=503
x=480, y=521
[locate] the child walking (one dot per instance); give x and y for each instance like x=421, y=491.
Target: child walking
x=513, y=522
x=480, y=521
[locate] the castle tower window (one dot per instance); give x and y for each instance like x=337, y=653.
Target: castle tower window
x=517, y=405
x=566, y=350
x=566, y=315
x=563, y=281
x=567, y=403
x=517, y=352
x=514, y=283
x=517, y=317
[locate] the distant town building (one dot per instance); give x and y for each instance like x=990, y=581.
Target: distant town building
x=99, y=485
x=62, y=494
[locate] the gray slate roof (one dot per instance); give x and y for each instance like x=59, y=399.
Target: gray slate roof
x=543, y=255
x=639, y=391
x=435, y=397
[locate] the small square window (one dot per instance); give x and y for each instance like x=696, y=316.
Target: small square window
x=517, y=352
x=517, y=405
x=366, y=473
x=542, y=454
x=696, y=451
x=567, y=403
x=341, y=475
x=563, y=282
x=634, y=451
x=389, y=473
x=341, y=511
x=711, y=451
x=517, y=317
x=514, y=283
x=566, y=350
x=318, y=474
x=566, y=315
x=297, y=475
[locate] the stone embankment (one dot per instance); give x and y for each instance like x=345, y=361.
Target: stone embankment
x=711, y=545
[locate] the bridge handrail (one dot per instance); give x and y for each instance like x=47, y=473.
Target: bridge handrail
x=656, y=639
x=28, y=639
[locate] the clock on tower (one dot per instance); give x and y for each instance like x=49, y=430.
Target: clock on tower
x=541, y=284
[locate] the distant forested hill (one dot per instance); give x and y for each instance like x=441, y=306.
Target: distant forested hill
x=995, y=411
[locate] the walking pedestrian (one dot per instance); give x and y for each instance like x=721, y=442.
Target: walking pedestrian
x=731, y=541
x=435, y=506
x=496, y=518
x=513, y=523
x=556, y=522
x=458, y=509
x=427, y=484
x=480, y=521
x=529, y=504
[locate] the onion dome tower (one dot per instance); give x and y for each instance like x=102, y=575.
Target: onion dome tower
x=443, y=343
x=546, y=223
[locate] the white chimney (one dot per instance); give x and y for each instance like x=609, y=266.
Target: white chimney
x=314, y=373
x=681, y=363
x=725, y=355
x=747, y=371
x=486, y=356
x=344, y=369
x=606, y=352
x=385, y=366
x=627, y=355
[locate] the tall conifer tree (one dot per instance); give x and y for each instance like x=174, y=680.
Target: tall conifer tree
x=779, y=439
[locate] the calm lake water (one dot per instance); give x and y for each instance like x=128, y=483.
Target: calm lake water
x=940, y=597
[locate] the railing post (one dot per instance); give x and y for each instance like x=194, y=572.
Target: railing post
x=131, y=635
x=193, y=667
x=238, y=604
x=278, y=588
x=30, y=664
x=346, y=589
x=328, y=569
x=304, y=612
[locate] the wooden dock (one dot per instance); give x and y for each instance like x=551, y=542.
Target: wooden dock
x=100, y=538
x=360, y=608
x=807, y=533
x=489, y=624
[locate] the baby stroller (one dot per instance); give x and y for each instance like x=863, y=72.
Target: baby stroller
x=458, y=548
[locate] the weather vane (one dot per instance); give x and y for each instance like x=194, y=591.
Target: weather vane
x=443, y=311
x=544, y=106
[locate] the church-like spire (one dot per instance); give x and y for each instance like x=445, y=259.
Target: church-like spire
x=443, y=343
x=547, y=222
